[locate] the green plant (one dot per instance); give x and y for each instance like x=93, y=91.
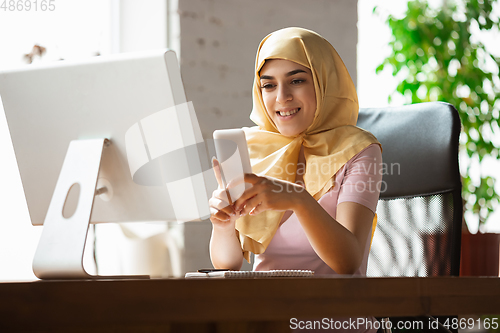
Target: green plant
x=438, y=58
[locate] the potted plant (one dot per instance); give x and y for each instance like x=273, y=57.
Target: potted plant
x=438, y=58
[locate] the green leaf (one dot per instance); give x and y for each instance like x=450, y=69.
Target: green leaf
x=433, y=41
x=379, y=68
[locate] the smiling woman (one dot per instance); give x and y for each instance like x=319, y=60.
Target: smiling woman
x=288, y=94
x=311, y=205
x=305, y=106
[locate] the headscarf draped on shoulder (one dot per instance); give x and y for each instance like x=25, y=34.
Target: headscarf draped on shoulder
x=329, y=142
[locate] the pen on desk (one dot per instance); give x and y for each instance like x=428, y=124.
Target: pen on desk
x=210, y=270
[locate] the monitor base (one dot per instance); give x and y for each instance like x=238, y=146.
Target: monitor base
x=59, y=254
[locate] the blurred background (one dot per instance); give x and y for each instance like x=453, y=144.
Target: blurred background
x=397, y=52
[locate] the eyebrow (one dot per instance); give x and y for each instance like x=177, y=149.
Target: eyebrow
x=291, y=73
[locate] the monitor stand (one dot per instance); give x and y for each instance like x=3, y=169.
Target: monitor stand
x=59, y=254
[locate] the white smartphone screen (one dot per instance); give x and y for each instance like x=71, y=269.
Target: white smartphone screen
x=232, y=152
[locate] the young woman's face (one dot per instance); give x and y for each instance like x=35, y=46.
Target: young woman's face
x=288, y=94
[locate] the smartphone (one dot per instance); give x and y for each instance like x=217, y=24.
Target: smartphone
x=232, y=153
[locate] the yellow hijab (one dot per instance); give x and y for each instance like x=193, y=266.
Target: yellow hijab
x=329, y=142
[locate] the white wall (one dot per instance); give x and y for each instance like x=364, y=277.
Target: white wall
x=142, y=25
x=220, y=38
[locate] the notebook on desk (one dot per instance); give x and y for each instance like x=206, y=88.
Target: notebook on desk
x=228, y=274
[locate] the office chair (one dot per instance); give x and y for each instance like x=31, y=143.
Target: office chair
x=420, y=206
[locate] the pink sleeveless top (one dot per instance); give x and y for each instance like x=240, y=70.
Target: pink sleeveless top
x=359, y=180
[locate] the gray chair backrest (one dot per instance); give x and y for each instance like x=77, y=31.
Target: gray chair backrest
x=420, y=207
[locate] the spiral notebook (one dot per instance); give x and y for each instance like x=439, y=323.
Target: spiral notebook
x=249, y=274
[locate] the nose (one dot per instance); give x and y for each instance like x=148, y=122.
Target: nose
x=284, y=94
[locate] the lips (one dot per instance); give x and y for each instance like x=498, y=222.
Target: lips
x=287, y=113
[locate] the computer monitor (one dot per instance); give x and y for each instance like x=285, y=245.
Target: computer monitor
x=117, y=124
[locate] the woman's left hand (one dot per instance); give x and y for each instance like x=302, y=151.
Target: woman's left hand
x=267, y=193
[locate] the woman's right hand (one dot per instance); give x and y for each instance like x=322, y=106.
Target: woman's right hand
x=225, y=247
x=222, y=214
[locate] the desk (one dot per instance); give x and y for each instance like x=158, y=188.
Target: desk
x=216, y=305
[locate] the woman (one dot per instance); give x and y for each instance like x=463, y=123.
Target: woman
x=316, y=177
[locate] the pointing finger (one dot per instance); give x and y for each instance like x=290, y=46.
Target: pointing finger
x=218, y=176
